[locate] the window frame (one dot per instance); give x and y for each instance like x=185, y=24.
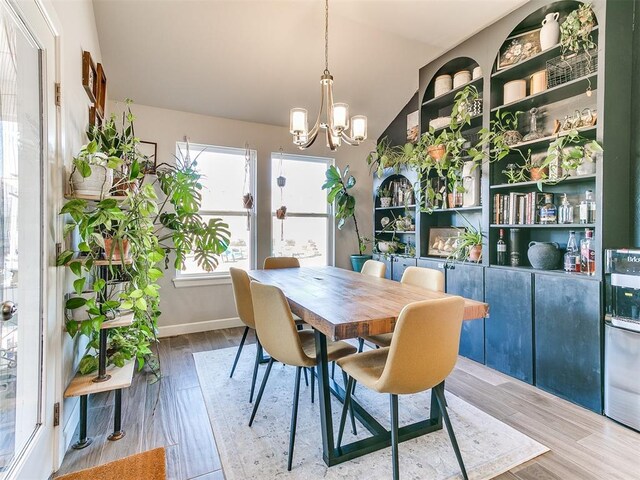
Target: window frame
x=329, y=215
x=215, y=277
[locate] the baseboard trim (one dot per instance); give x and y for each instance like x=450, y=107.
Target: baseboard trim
x=70, y=427
x=195, y=327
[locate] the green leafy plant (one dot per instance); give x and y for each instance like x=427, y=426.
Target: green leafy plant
x=467, y=239
x=338, y=185
x=575, y=31
x=496, y=140
x=384, y=156
x=384, y=191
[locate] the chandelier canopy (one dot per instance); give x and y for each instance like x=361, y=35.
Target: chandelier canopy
x=336, y=115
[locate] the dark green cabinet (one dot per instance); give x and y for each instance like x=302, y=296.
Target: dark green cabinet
x=509, y=328
x=387, y=261
x=400, y=264
x=431, y=263
x=468, y=281
x=568, y=338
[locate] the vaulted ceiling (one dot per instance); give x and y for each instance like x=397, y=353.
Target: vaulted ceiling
x=255, y=59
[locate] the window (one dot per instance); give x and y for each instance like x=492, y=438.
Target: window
x=225, y=179
x=307, y=231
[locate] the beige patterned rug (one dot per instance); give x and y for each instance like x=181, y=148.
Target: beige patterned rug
x=489, y=447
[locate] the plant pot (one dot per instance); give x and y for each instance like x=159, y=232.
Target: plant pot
x=281, y=213
x=512, y=137
x=357, y=261
x=123, y=188
x=114, y=289
x=387, y=247
x=437, y=152
x=587, y=167
x=247, y=201
x=475, y=253
x=112, y=249
x=99, y=183
x=539, y=173
x=544, y=255
x=385, y=202
x=81, y=314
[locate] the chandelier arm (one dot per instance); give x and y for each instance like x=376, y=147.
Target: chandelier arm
x=330, y=142
x=351, y=141
x=310, y=141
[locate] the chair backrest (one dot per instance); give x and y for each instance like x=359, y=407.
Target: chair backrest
x=272, y=263
x=242, y=295
x=275, y=326
x=424, y=347
x=374, y=268
x=428, y=278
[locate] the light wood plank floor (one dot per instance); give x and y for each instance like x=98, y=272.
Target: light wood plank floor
x=171, y=413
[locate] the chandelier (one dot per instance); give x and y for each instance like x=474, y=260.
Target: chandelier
x=336, y=121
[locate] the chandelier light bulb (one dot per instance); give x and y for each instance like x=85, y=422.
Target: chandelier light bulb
x=298, y=123
x=340, y=116
x=359, y=128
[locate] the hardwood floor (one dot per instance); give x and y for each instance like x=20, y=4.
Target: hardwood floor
x=171, y=413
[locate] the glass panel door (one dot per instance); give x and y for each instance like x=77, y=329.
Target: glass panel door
x=20, y=237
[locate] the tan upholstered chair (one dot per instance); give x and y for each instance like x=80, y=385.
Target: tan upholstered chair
x=242, y=296
x=428, y=278
x=285, y=344
x=374, y=268
x=423, y=352
x=281, y=262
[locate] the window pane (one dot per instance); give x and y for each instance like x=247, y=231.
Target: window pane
x=224, y=178
x=304, y=238
x=303, y=191
x=237, y=255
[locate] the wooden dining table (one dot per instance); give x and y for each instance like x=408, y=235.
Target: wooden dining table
x=340, y=304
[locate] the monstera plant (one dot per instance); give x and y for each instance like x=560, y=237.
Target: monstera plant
x=157, y=219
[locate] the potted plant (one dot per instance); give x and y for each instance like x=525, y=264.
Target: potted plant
x=384, y=194
x=468, y=245
x=575, y=31
x=281, y=213
x=383, y=157
x=92, y=172
x=338, y=185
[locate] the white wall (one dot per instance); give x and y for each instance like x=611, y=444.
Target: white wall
x=182, y=306
x=78, y=33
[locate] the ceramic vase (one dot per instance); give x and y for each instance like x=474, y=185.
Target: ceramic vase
x=550, y=32
x=544, y=255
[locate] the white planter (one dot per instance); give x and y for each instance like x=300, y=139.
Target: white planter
x=99, y=183
x=385, y=202
x=81, y=314
x=550, y=31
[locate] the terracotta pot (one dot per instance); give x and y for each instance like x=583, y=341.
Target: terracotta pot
x=538, y=174
x=281, y=213
x=475, y=253
x=123, y=188
x=112, y=249
x=436, y=152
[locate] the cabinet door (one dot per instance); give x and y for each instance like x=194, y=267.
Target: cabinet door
x=400, y=264
x=509, y=328
x=468, y=281
x=568, y=339
x=387, y=260
x=435, y=264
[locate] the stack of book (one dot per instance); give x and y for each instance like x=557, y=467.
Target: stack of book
x=515, y=208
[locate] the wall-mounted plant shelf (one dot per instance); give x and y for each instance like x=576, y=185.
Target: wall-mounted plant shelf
x=446, y=99
x=529, y=184
x=588, y=132
x=457, y=209
x=395, y=207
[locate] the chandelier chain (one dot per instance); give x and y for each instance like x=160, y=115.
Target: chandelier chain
x=326, y=36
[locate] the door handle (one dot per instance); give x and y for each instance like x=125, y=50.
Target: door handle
x=9, y=309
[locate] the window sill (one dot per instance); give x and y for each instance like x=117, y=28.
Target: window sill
x=201, y=281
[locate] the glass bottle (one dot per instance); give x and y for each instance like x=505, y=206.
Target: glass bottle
x=565, y=211
x=588, y=208
x=501, y=247
x=548, y=211
x=572, y=257
x=588, y=253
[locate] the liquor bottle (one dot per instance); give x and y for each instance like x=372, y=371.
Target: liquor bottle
x=588, y=208
x=565, y=211
x=514, y=244
x=502, y=250
x=548, y=211
x=572, y=257
x=588, y=253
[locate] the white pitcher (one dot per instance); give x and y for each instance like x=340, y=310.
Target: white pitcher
x=550, y=32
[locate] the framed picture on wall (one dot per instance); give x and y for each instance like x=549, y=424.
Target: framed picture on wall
x=149, y=151
x=101, y=90
x=89, y=76
x=94, y=117
x=442, y=240
x=519, y=48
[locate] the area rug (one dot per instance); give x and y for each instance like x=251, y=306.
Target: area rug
x=489, y=447
x=149, y=465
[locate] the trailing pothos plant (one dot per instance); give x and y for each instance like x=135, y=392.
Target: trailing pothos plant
x=575, y=31
x=158, y=219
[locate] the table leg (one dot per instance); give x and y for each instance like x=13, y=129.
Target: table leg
x=324, y=398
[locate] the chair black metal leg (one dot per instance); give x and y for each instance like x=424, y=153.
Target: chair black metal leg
x=235, y=362
x=312, y=371
x=353, y=418
x=343, y=416
x=360, y=345
x=393, y=401
x=306, y=378
x=294, y=417
x=255, y=368
x=261, y=391
x=439, y=393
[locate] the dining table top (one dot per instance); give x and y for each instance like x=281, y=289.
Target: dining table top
x=345, y=304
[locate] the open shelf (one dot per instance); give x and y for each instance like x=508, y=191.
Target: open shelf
x=589, y=132
x=457, y=209
x=407, y=232
x=552, y=95
x=122, y=320
x=532, y=183
x=547, y=272
x=395, y=207
x=102, y=263
x=121, y=377
x=475, y=121
x=94, y=198
x=540, y=225
x=447, y=99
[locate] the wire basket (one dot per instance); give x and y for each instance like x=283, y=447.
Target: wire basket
x=566, y=69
